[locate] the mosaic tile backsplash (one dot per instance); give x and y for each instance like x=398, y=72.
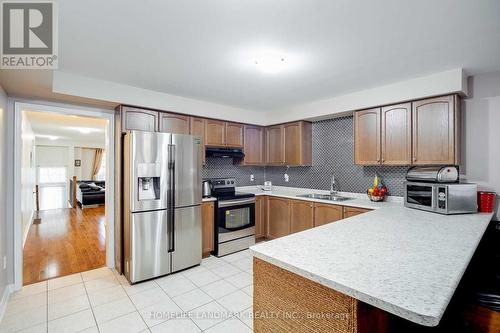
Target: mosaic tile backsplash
x=332, y=153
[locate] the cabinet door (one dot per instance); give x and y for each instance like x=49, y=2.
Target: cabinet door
x=207, y=217
x=301, y=215
x=324, y=213
x=234, y=135
x=274, y=145
x=260, y=217
x=278, y=217
x=215, y=133
x=367, y=137
x=291, y=133
x=396, y=134
x=174, y=123
x=253, y=145
x=353, y=211
x=197, y=127
x=139, y=119
x=434, y=131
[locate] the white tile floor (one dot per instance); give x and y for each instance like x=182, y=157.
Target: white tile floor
x=213, y=297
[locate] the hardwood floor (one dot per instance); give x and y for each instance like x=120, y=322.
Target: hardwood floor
x=66, y=241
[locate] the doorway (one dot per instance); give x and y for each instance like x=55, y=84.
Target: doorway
x=64, y=205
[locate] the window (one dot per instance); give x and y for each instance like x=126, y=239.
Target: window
x=52, y=175
x=101, y=174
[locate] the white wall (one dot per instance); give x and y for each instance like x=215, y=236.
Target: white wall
x=481, y=133
x=86, y=155
x=28, y=175
x=5, y=280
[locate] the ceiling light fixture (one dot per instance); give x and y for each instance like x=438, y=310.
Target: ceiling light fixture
x=50, y=137
x=270, y=62
x=85, y=130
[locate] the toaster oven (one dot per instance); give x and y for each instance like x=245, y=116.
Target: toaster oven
x=452, y=198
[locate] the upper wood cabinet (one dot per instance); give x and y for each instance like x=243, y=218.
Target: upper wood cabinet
x=436, y=131
x=260, y=216
x=278, y=217
x=234, y=135
x=138, y=119
x=424, y=132
x=275, y=154
x=298, y=143
x=223, y=134
x=173, y=123
x=325, y=213
x=367, y=137
x=396, y=134
x=197, y=127
x=253, y=145
x=289, y=144
x=215, y=132
x=301, y=215
x=353, y=211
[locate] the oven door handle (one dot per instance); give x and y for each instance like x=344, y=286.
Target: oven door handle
x=230, y=203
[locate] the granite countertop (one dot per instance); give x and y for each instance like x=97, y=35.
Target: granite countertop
x=359, y=200
x=403, y=261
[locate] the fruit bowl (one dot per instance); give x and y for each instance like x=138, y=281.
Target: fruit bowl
x=375, y=197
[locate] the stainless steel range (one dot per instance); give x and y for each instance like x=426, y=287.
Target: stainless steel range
x=234, y=217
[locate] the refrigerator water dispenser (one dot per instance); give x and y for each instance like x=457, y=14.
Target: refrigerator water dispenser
x=148, y=186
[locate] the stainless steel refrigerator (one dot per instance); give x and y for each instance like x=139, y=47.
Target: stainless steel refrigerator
x=162, y=204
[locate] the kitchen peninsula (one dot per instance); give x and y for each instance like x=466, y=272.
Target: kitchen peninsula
x=339, y=276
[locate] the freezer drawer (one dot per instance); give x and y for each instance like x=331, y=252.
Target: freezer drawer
x=148, y=241
x=187, y=239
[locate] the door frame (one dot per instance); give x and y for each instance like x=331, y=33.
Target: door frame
x=108, y=115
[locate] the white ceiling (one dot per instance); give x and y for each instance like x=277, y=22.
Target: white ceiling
x=66, y=128
x=203, y=49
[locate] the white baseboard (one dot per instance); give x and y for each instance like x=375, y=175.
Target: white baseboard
x=5, y=299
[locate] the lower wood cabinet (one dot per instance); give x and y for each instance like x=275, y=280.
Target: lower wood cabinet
x=325, y=213
x=207, y=217
x=260, y=217
x=278, y=217
x=301, y=215
x=353, y=211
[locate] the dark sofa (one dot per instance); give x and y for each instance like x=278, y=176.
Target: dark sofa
x=89, y=192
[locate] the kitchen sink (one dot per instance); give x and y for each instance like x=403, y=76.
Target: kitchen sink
x=324, y=197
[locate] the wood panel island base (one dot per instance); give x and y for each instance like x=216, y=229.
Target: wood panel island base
x=286, y=302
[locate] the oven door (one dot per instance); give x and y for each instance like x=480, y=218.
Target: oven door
x=420, y=195
x=235, y=219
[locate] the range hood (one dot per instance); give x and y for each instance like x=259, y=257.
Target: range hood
x=224, y=152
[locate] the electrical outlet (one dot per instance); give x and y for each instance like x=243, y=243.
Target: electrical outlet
x=252, y=178
x=287, y=177
x=4, y=262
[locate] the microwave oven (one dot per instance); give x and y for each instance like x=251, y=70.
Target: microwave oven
x=452, y=198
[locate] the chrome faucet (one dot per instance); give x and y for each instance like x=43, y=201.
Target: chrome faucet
x=333, y=187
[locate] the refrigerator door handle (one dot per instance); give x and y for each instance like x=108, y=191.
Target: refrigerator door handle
x=171, y=203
